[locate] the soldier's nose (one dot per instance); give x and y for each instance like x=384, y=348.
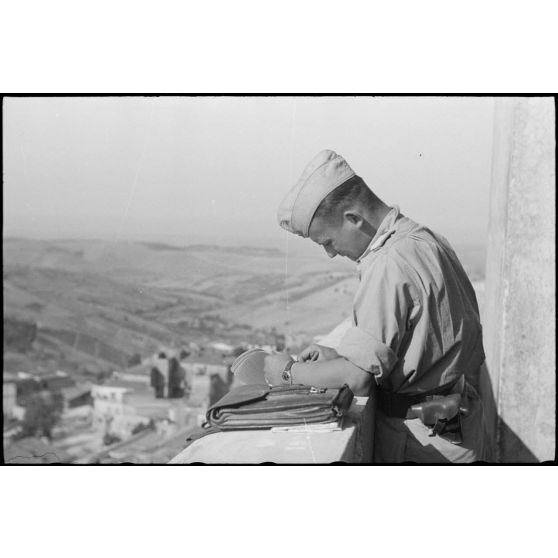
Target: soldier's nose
x=330, y=252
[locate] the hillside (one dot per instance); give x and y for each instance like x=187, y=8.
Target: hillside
x=94, y=304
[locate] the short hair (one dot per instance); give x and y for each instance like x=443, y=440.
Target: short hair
x=343, y=197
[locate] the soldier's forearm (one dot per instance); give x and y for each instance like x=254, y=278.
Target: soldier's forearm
x=332, y=374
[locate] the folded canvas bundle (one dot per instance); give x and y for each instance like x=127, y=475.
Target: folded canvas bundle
x=260, y=406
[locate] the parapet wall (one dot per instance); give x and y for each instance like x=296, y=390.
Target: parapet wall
x=519, y=316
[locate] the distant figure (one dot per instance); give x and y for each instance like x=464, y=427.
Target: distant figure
x=157, y=382
x=280, y=344
x=176, y=379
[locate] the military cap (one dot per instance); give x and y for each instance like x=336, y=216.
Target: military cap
x=325, y=172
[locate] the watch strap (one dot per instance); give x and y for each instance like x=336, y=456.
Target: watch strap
x=286, y=376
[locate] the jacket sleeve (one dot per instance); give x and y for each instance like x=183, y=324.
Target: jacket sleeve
x=384, y=308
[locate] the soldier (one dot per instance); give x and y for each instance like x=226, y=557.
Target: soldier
x=415, y=327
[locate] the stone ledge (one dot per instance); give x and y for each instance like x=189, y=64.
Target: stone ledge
x=352, y=444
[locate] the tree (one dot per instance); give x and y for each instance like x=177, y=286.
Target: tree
x=134, y=360
x=18, y=334
x=42, y=413
x=109, y=439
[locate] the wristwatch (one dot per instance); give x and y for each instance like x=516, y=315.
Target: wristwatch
x=286, y=376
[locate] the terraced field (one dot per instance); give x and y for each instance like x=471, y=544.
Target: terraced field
x=95, y=304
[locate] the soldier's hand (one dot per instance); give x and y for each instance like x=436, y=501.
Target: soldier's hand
x=317, y=352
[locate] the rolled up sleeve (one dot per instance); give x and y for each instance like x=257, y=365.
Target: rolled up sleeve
x=366, y=352
x=383, y=309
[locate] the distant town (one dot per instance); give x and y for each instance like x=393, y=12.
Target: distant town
x=140, y=414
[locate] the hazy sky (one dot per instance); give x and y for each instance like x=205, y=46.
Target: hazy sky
x=192, y=170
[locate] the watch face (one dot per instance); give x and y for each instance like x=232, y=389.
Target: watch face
x=286, y=377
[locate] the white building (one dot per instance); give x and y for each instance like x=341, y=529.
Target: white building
x=222, y=347
x=121, y=406
x=9, y=394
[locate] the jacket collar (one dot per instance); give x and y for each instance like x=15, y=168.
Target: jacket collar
x=385, y=230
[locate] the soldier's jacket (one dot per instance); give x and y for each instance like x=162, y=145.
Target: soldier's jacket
x=416, y=320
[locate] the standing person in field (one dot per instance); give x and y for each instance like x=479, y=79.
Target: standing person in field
x=415, y=328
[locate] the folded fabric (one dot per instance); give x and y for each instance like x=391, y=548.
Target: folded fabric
x=260, y=406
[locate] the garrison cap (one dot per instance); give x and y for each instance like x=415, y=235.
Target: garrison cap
x=325, y=172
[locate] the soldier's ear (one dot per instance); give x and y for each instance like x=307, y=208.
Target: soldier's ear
x=354, y=218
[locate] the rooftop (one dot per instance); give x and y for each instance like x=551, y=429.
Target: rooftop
x=76, y=391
